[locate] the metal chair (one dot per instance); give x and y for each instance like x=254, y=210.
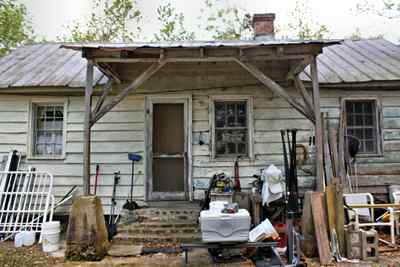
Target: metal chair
x=367, y=213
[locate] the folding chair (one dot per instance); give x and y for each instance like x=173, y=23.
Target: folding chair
x=367, y=213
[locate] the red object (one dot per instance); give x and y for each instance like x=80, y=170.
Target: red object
x=97, y=176
x=236, y=176
x=281, y=229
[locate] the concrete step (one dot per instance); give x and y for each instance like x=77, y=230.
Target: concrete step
x=123, y=238
x=160, y=228
x=167, y=214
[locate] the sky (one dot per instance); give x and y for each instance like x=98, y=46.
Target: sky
x=50, y=17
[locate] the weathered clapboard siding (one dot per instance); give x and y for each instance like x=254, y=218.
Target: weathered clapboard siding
x=123, y=130
x=119, y=132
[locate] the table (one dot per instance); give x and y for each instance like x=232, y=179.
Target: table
x=185, y=247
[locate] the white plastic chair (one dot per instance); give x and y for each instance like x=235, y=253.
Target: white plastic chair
x=396, y=200
x=368, y=213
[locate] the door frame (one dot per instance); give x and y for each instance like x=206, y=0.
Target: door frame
x=186, y=100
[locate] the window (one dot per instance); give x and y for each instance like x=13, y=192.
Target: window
x=362, y=123
x=48, y=130
x=231, y=128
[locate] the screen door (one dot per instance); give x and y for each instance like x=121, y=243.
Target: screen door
x=168, y=151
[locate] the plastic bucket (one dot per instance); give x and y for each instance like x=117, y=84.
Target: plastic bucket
x=50, y=236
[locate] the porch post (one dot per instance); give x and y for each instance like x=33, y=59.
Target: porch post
x=318, y=127
x=87, y=127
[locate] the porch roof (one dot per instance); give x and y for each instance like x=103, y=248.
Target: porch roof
x=198, y=44
x=51, y=65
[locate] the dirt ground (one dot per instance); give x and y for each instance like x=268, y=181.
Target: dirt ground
x=33, y=256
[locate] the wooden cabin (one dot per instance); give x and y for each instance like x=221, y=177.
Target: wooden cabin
x=192, y=118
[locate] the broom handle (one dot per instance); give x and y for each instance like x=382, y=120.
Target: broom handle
x=133, y=171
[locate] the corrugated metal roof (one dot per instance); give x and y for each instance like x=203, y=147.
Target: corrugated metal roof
x=198, y=44
x=367, y=60
x=44, y=65
x=48, y=65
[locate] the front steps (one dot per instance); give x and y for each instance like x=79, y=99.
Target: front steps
x=161, y=225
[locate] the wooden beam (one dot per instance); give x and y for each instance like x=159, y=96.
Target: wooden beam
x=298, y=68
x=108, y=71
x=87, y=127
x=274, y=87
x=105, y=91
x=142, y=78
x=200, y=59
x=304, y=94
x=318, y=127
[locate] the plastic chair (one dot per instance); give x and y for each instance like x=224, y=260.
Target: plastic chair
x=368, y=213
x=396, y=200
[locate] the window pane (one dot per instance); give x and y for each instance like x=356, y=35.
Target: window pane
x=361, y=123
x=231, y=128
x=358, y=107
x=231, y=148
x=368, y=133
x=49, y=130
x=219, y=115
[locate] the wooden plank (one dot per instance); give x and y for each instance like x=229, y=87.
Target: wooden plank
x=318, y=127
x=309, y=244
x=334, y=151
x=330, y=192
x=321, y=231
x=339, y=212
x=87, y=126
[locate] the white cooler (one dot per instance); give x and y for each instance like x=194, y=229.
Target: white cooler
x=223, y=227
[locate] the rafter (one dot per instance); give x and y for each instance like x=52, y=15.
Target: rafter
x=108, y=71
x=142, y=78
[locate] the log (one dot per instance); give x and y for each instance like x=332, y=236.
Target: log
x=87, y=237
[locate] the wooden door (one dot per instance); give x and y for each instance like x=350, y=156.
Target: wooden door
x=168, y=151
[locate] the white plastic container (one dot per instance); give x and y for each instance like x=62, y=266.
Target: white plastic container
x=50, y=236
x=25, y=238
x=19, y=240
x=225, y=227
x=29, y=238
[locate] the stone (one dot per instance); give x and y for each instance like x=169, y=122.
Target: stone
x=125, y=250
x=87, y=237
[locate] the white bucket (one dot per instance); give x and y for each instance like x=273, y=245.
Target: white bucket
x=50, y=236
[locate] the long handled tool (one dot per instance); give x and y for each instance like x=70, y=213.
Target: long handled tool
x=96, y=178
x=130, y=204
x=112, y=224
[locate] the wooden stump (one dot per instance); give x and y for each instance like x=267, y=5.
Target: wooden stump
x=87, y=237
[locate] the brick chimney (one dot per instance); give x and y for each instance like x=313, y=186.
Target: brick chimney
x=263, y=25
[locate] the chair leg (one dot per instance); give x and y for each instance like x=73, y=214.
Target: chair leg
x=392, y=228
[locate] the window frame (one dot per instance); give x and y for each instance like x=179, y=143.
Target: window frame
x=378, y=124
x=33, y=104
x=250, y=126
